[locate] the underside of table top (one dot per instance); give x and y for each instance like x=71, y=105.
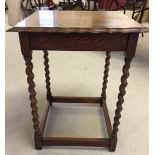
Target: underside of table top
x=79, y=21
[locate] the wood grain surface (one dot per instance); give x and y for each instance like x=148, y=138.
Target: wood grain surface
x=78, y=21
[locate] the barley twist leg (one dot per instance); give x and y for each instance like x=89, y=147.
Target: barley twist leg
x=47, y=76
x=32, y=96
x=105, y=78
x=120, y=101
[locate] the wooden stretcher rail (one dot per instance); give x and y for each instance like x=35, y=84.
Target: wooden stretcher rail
x=76, y=99
x=107, y=119
x=44, y=117
x=57, y=141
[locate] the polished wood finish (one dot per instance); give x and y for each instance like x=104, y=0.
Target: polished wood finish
x=72, y=99
x=105, y=78
x=95, y=31
x=78, y=21
x=58, y=141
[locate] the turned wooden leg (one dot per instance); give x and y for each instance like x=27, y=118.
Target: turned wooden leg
x=32, y=96
x=120, y=101
x=105, y=78
x=47, y=76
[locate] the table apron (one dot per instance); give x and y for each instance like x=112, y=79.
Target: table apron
x=79, y=41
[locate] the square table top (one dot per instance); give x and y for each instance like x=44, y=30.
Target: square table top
x=79, y=22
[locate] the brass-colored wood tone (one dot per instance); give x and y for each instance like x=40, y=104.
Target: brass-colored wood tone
x=47, y=76
x=78, y=21
x=105, y=78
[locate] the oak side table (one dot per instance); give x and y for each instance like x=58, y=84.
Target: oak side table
x=77, y=31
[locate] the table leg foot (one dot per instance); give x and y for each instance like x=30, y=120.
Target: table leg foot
x=112, y=146
x=38, y=143
x=105, y=78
